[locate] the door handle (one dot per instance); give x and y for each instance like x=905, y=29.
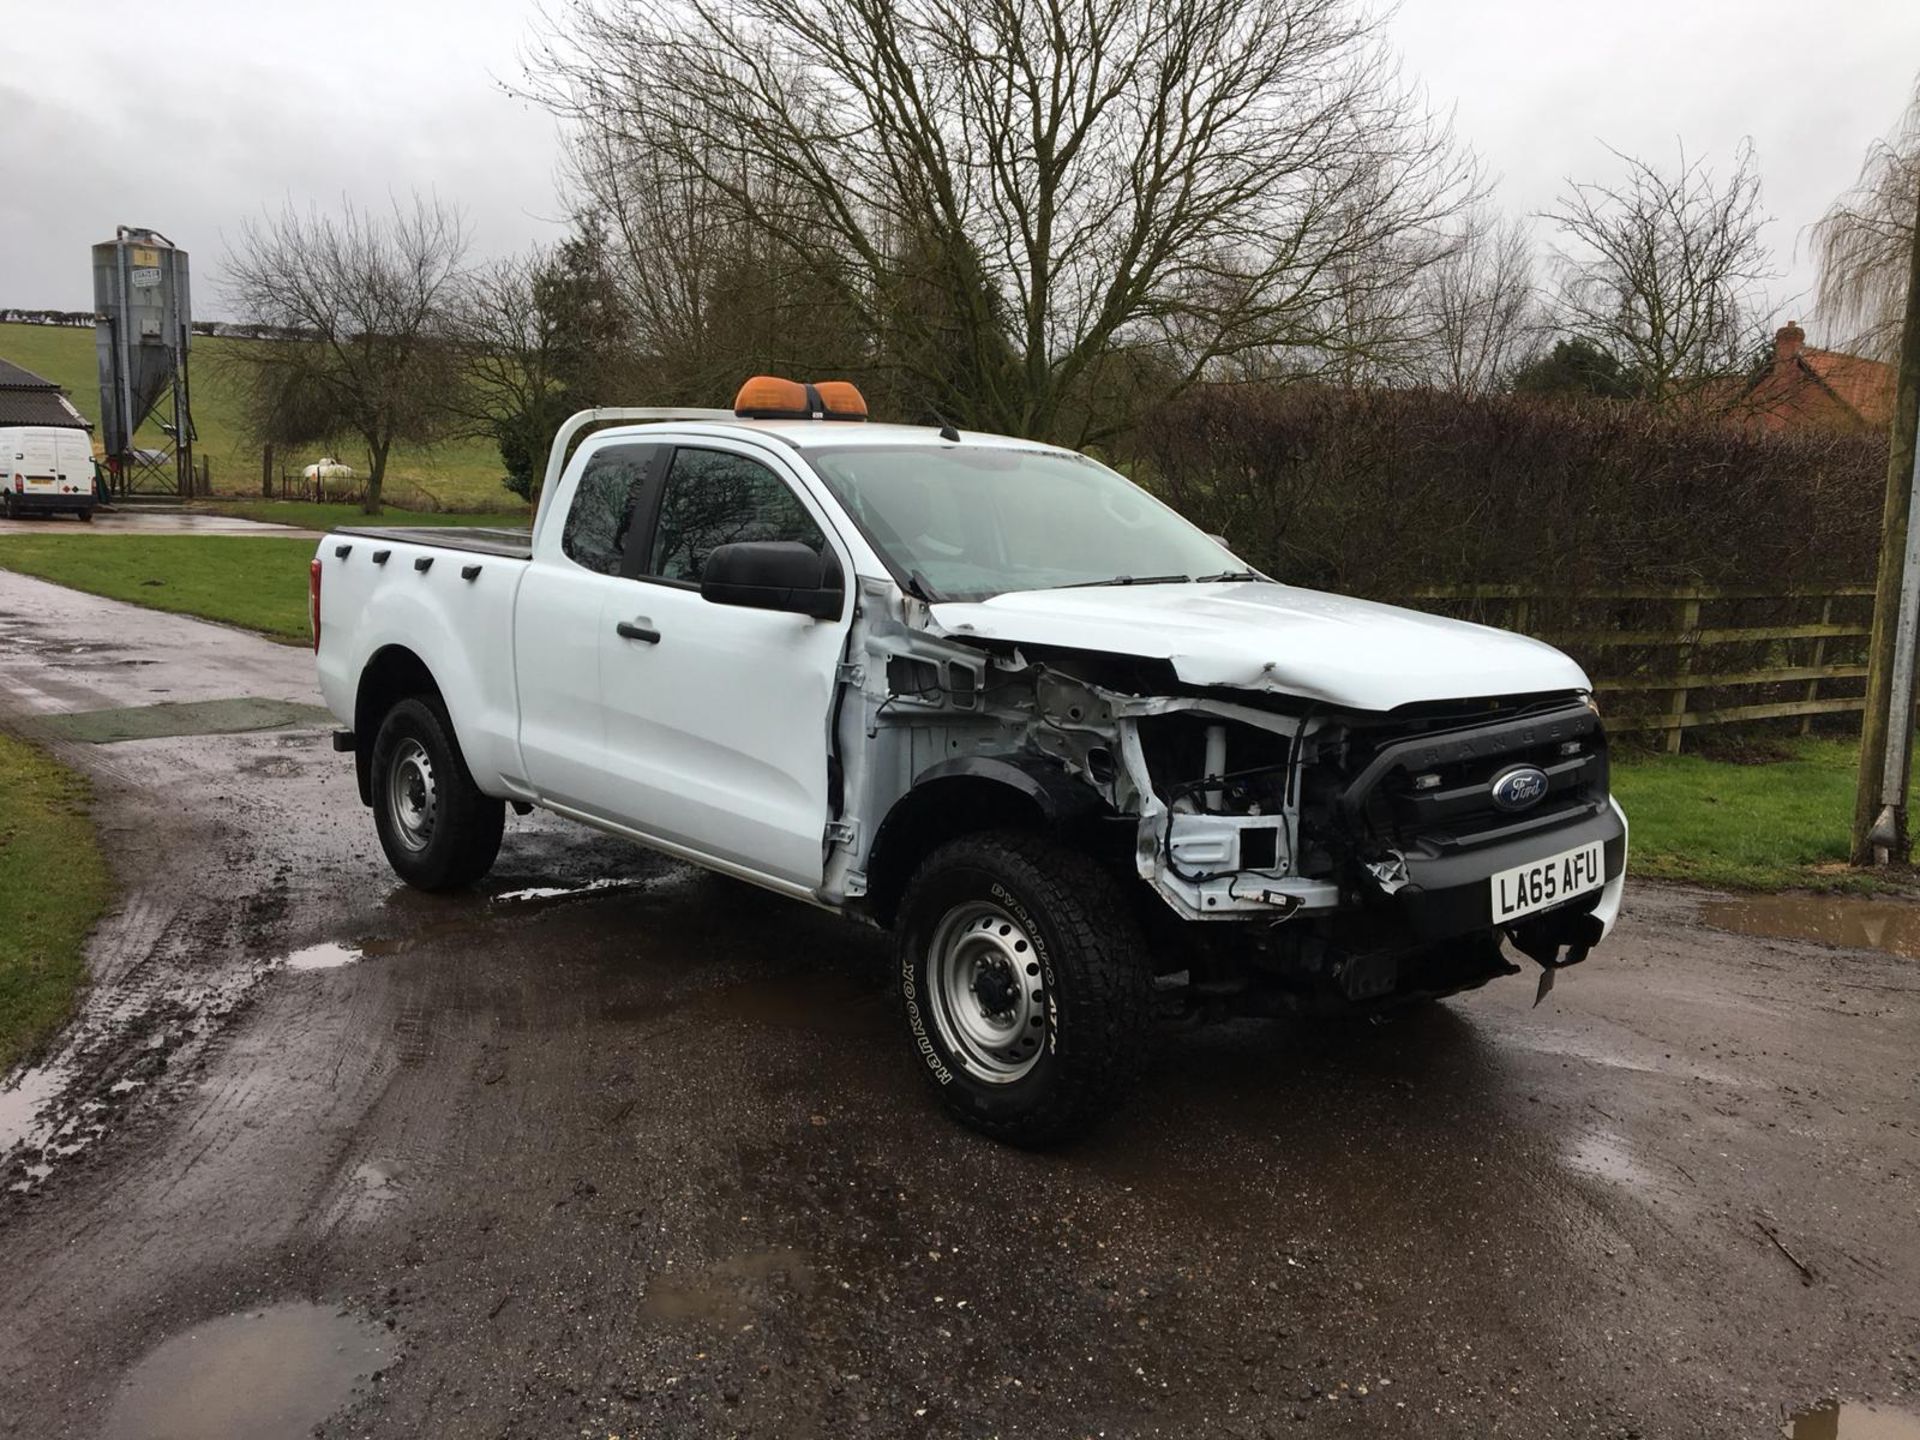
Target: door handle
x=627, y=630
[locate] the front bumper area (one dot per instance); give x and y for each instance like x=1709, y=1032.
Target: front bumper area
x=1451, y=894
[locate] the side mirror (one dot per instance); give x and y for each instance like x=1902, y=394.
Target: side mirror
x=774, y=575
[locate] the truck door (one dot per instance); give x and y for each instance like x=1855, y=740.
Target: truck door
x=716, y=715
x=556, y=629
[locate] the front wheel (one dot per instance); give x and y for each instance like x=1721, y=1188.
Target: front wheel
x=439, y=831
x=1026, y=985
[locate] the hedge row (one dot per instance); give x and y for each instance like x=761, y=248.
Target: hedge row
x=1383, y=492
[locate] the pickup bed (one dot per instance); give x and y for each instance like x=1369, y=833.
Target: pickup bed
x=1086, y=765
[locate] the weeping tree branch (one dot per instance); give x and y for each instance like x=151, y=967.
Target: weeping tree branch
x=1863, y=242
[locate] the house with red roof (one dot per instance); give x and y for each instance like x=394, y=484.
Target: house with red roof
x=1803, y=387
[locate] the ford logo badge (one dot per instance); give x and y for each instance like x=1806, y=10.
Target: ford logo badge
x=1520, y=788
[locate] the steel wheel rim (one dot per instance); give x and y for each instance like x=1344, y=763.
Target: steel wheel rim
x=987, y=992
x=412, y=797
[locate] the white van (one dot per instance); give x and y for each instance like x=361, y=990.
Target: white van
x=45, y=469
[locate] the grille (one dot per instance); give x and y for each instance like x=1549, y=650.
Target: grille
x=1433, y=791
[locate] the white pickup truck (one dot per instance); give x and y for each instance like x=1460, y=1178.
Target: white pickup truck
x=1086, y=765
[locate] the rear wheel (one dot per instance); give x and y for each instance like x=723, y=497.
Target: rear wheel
x=1026, y=985
x=7, y=510
x=87, y=514
x=439, y=831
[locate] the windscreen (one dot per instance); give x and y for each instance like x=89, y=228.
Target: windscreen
x=972, y=523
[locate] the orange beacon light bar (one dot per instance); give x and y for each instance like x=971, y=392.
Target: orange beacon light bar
x=767, y=397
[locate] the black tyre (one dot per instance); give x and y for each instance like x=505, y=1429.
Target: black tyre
x=86, y=515
x=1025, y=984
x=7, y=505
x=439, y=831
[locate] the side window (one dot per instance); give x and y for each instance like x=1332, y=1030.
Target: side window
x=602, y=511
x=711, y=499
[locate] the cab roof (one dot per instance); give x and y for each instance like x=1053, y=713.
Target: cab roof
x=804, y=435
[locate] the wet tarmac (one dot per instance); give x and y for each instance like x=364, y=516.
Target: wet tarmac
x=612, y=1147
x=131, y=521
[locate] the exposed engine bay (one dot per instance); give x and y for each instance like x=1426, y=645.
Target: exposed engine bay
x=1332, y=849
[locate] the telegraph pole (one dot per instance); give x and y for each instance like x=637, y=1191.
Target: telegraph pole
x=1886, y=757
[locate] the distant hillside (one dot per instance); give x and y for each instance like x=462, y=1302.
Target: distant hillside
x=458, y=475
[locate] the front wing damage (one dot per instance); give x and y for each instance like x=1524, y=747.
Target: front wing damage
x=926, y=698
x=1210, y=789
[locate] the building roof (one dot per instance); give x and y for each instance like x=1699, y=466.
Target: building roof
x=30, y=399
x=1864, y=386
x=1802, y=386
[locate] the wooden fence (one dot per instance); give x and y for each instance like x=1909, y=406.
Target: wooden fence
x=1678, y=658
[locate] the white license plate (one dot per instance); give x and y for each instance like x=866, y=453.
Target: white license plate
x=1548, y=881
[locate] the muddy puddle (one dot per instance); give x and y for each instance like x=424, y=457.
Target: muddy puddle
x=1836, y=1420
x=276, y=1371
x=1889, y=925
x=561, y=892
x=23, y=1098
x=329, y=955
x=729, y=1292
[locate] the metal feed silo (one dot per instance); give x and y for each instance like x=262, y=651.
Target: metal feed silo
x=142, y=321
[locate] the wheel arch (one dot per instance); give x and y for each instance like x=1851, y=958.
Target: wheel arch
x=390, y=675
x=964, y=796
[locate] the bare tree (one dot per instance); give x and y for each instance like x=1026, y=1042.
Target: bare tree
x=360, y=305
x=539, y=336
x=1479, y=305
x=709, y=298
x=1011, y=198
x=1863, y=242
x=1666, y=271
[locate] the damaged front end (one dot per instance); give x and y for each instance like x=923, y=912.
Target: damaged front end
x=1304, y=856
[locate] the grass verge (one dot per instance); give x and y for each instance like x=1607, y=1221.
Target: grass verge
x=53, y=887
x=257, y=583
x=313, y=515
x=1773, y=826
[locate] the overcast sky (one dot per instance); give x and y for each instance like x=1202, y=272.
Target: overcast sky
x=191, y=117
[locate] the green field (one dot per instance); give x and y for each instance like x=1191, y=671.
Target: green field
x=257, y=583
x=310, y=515
x=53, y=887
x=464, y=474
x=1746, y=827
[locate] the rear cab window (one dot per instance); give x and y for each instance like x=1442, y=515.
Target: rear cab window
x=600, y=521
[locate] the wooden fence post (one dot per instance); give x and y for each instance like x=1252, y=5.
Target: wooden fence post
x=266, y=472
x=1677, y=707
x=1819, y=659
